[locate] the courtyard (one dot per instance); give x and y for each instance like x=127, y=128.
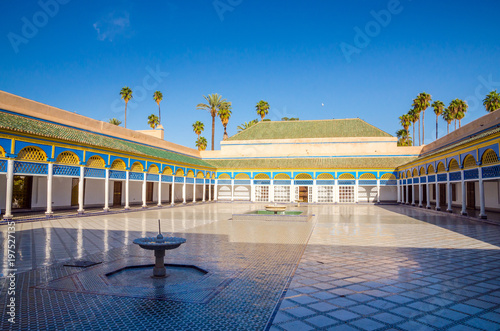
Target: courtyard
x=351, y=267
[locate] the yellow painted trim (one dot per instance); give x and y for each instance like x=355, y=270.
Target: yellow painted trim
x=13, y=146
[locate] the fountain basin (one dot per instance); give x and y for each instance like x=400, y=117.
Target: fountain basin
x=275, y=209
x=163, y=243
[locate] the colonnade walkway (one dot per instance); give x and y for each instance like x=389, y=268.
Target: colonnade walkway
x=351, y=267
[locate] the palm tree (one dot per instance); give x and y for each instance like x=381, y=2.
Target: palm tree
x=423, y=101
x=413, y=117
x=126, y=94
x=262, y=108
x=438, y=110
x=201, y=143
x=492, y=101
x=246, y=125
x=403, y=138
x=224, y=114
x=448, y=117
x=454, y=108
x=462, y=109
x=158, y=97
x=289, y=118
x=198, y=128
x=213, y=104
x=115, y=121
x=153, y=121
x=405, y=122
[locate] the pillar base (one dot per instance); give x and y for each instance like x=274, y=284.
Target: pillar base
x=144, y=207
x=159, y=205
x=438, y=208
x=413, y=205
x=127, y=208
x=105, y=210
x=49, y=214
x=483, y=217
x=172, y=204
x=81, y=212
x=464, y=213
x=428, y=207
x=420, y=206
x=449, y=211
x=7, y=218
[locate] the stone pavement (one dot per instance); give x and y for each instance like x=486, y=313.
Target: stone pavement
x=352, y=267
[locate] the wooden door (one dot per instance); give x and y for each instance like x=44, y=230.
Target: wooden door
x=442, y=195
x=149, y=191
x=117, y=193
x=471, y=195
x=21, y=193
x=74, y=191
x=303, y=193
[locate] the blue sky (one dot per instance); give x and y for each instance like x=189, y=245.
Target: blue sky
x=75, y=56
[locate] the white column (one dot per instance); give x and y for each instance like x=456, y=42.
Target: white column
x=127, y=189
x=428, y=206
x=106, y=190
x=407, y=192
x=9, y=189
x=378, y=190
x=271, y=191
x=412, y=192
x=210, y=189
x=204, y=188
x=159, y=190
x=215, y=190
x=194, y=190
x=482, y=209
x=232, y=189
x=81, y=182
x=420, y=193
x=448, y=191
x=399, y=190
x=314, y=192
x=356, y=191
x=438, y=195
x=252, y=191
x=184, y=191
x=144, y=205
x=173, y=190
x=464, y=196
x=336, y=193
x=292, y=191
x=49, y=188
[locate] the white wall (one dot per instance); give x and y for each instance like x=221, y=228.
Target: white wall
x=388, y=193
x=3, y=186
x=39, y=192
x=61, y=191
x=135, y=192
x=94, y=192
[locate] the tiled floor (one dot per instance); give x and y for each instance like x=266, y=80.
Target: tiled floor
x=364, y=268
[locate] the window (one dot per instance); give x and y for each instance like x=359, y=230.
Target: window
x=346, y=194
x=262, y=193
x=325, y=193
x=281, y=193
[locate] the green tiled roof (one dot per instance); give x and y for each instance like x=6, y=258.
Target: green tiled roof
x=313, y=163
x=354, y=127
x=45, y=129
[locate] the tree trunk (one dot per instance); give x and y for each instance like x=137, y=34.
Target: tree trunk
x=455, y=124
x=213, y=131
x=423, y=127
x=159, y=114
x=448, y=128
x=419, y=141
x=437, y=118
x=413, y=134
x=126, y=114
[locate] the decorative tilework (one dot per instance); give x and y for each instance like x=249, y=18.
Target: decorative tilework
x=152, y=177
x=116, y=174
x=262, y=182
x=388, y=182
x=189, y=180
x=367, y=182
x=30, y=168
x=491, y=172
x=454, y=176
x=282, y=182
x=166, y=179
x=3, y=165
x=224, y=182
x=471, y=174
x=60, y=170
x=200, y=181
x=416, y=180
x=441, y=178
x=346, y=182
x=431, y=178
x=242, y=182
x=94, y=173
x=136, y=176
x=320, y=182
x=423, y=179
x=179, y=179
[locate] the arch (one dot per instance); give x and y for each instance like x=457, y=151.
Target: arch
x=179, y=172
x=137, y=167
x=367, y=176
x=2, y=151
x=207, y=175
x=224, y=176
x=489, y=157
x=430, y=169
x=242, y=176
x=422, y=171
x=261, y=176
x=303, y=176
x=388, y=176
x=31, y=153
x=213, y=175
x=96, y=161
x=118, y=164
x=67, y=157
x=453, y=165
x=281, y=176
x=153, y=169
x=415, y=172
x=440, y=168
x=167, y=171
x=469, y=162
x=325, y=176
x=190, y=174
x=346, y=176
x=408, y=174
x=200, y=174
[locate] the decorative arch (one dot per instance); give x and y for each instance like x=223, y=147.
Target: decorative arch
x=440, y=168
x=118, y=164
x=31, y=153
x=408, y=174
x=200, y=174
x=153, y=169
x=303, y=176
x=388, y=176
x=346, y=176
x=190, y=174
x=415, y=172
x=179, y=172
x=324, y=176
x=453, y=165
x=469, y=162
x=242, y=176
x=422, y=171
x=67, y=157
x=137, y=167
x=224, y=176
x=167, y=171
x=489, y=157
x=281, y=176
x=2, y=152
x=213, y=175
x=96, y=161
x=261, y=176
x=367, y=176
x=207, y=175
x=430, y=169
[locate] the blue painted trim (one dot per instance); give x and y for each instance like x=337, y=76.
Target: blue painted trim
x=59, y=150
x=464, y=155
x=481, y=150
x=6, y=144
x=22, y=144
x=132, y=161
